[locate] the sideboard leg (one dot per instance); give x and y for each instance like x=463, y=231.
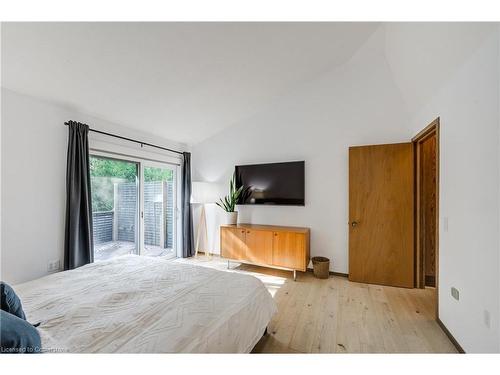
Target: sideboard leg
x=228, y=264
x=294, y=275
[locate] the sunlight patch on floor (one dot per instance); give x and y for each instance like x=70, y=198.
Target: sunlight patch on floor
x=273, y=283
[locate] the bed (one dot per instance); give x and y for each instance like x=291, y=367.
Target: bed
x=137, y=304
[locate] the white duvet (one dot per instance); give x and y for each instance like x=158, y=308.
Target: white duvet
x=135, y=304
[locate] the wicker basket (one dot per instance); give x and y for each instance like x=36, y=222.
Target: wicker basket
x=321, y=267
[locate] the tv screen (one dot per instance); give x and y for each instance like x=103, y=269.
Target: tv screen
x=272, y=184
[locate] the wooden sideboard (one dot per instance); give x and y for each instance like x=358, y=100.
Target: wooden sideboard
x=266, y=245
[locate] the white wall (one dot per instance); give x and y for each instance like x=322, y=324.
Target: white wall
x=33, y=169
x=468, y=107
x=356, y=104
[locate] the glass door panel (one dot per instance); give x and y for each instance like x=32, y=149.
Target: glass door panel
x=115, y=207
x=158, y=214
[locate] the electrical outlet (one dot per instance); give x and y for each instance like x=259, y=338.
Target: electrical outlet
x=455, y=293
x=487, y=318
x=53, y=265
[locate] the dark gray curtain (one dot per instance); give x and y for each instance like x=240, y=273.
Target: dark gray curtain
x=187, y=218
x=78, y=246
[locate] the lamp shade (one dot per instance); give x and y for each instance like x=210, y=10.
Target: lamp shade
x=204, y=192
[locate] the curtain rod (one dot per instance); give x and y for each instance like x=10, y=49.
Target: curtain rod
x=132, y=140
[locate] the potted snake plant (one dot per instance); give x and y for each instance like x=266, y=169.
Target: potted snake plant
x=229, y=202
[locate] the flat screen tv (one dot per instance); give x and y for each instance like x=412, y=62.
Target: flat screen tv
x=272, y=184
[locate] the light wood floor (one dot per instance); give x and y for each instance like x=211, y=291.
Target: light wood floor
x=338, y=316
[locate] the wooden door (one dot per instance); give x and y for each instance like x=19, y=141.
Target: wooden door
x=381, y=214
x=233, y=243
x=259, y=246
x=288, y=250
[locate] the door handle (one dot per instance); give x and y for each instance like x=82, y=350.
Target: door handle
x=354, y=223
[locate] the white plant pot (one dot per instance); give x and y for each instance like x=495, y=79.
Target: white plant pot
x=231, y=218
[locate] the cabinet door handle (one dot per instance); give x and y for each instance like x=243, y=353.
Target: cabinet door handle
x=242, y=231
x=248, y=231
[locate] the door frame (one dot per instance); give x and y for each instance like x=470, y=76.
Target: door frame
x=177, y=199
x=430, y=130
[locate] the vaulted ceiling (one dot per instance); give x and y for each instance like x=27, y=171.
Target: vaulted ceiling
x=180, y=81
x=424, y=56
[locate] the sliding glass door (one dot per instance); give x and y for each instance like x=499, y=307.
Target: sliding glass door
x=159, y=211
x=134, y=205
x=115, y=206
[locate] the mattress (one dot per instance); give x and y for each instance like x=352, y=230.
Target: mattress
x=137, y=304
